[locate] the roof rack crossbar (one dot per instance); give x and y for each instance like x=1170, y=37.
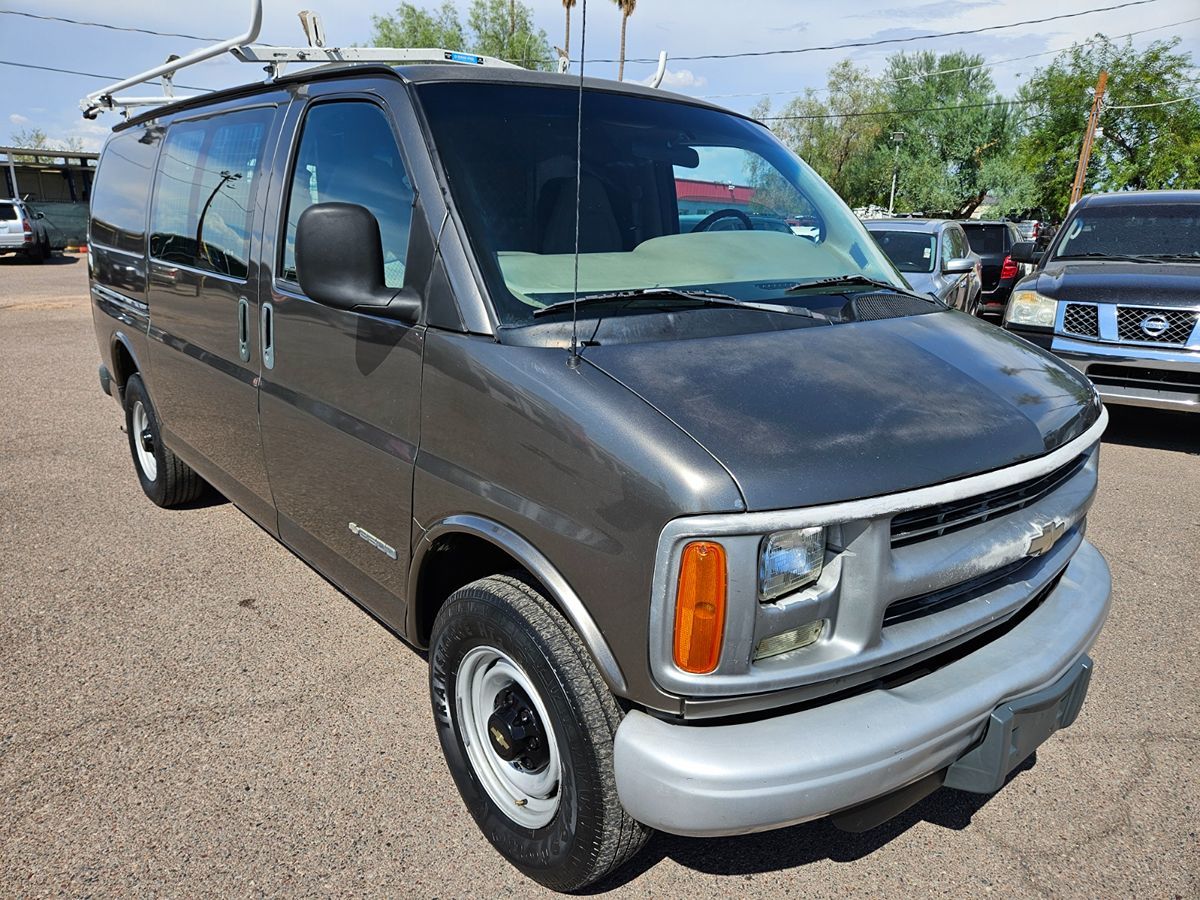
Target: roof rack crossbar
x=244, y=49
x=268, y=55
x=105, y=98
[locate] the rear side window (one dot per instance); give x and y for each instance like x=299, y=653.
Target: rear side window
x=203, y=202
x=955, y=243
x=986, y=239
x=122, y=190
x=349, y=154
x=8, y=212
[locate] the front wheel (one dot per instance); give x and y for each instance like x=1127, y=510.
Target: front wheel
x=527, y=726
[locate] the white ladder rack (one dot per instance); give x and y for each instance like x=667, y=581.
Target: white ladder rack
x=243, y=48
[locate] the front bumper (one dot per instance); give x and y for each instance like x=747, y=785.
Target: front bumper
x=1136, y=375
x=708, y=780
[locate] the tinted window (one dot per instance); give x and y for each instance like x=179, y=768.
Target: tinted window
x=8, y=212
x=651, y=170
x=203, y=202
x=1143, y=229
x=348, y=154
x=911, y=251
x=957, y=242
x=986, y=239
x=122, y=190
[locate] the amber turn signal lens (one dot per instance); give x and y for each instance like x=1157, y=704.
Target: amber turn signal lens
x=700, y=607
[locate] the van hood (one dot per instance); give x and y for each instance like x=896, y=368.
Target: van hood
x=820, y=415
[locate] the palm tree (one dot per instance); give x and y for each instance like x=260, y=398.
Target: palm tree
x=626, y=7
x=567, y=4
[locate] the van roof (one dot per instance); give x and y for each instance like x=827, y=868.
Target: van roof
x=421, y=74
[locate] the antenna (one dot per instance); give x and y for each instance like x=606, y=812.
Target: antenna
x=573, y=359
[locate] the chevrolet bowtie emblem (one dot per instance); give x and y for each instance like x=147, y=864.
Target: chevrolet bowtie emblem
x=1046, y=537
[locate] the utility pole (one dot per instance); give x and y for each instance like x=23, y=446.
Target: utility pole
x=1089, y=136
x=897, y=138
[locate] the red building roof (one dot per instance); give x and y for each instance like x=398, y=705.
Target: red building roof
x=687, y=189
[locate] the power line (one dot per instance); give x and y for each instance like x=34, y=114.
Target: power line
x=1159, y=103
x=21, y=65
x=899, y=40
x=29, y=15
x=986, y=65
x=901, y=112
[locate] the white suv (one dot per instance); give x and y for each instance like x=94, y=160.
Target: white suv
x=22, y=231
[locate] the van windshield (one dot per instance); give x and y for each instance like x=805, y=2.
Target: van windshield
x=670, y=195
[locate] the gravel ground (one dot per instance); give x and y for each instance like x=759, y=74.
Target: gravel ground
x=186, y=709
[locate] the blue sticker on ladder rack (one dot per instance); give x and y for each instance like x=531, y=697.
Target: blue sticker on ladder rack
x=464, y=58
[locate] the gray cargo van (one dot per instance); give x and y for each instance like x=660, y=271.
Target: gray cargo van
x=709, y=530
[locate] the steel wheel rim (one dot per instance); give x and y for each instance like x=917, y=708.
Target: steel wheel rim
x=143, y=442
x=530, y=799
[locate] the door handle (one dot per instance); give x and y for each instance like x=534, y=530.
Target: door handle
x=243, y=314
x=268, y=335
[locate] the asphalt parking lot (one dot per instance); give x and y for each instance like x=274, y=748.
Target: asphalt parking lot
x=186, y=709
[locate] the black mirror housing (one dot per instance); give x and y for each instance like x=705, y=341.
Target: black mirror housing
x=339, y=262
x=1024, y=252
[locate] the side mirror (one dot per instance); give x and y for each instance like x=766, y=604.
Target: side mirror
x=958, y=266
x=39, y=215
x=1024, y=252
x=339, y=262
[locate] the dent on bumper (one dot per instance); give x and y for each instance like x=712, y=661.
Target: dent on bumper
x=707, y=780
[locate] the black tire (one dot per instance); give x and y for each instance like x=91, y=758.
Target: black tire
x=591, y=834
x=36, y=254
x=174, y=483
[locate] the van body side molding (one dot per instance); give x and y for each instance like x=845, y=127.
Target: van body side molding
x=541, y=568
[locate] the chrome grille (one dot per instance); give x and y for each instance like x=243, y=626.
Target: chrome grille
x=1081, y=319
x=935, y=521
x=1147, y=324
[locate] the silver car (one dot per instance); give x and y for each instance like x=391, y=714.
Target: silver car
x=934, y=256
x=23, y=232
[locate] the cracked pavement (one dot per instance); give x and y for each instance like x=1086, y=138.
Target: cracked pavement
x=186, y=709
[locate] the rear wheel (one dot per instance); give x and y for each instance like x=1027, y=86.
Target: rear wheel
x=166, y=479
x=527, y=726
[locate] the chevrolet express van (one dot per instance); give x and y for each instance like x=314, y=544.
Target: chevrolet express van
x=709, y=529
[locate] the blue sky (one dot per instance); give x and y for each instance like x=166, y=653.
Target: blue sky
x=682, y=27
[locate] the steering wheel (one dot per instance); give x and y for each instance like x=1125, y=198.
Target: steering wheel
x=707, y=222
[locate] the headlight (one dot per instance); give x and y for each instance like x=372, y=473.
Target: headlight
x=1031, y=308
x=788, y=560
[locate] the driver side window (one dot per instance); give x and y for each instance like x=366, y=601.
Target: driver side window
x=348, y=154
x=729, y=187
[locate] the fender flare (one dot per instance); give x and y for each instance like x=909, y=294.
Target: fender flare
x=561, y=593
x=119, y=338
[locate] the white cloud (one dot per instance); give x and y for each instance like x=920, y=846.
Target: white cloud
x=679, y=78
x=18, y=119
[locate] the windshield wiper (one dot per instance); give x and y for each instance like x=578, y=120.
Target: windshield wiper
x=1117, y=257
x=846, y=280
x=696, y=298
x=1194, y=256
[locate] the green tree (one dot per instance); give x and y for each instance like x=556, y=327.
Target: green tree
x=506, y=30
x=958, y=135
x=1140, y=149
x=500, y=28
x=627, y=7
x=414, y=26
x=36, y=139
x=837, y=134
